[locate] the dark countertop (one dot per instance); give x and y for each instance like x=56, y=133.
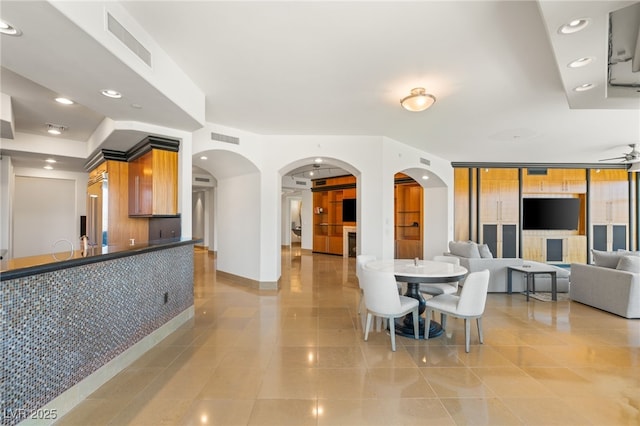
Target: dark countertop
x=26, y=266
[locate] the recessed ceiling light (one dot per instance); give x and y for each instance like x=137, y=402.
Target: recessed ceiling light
x=48, y=167
x=8, y=29
x=574, y=26
x=580, y=62
x=50, y=160
x=425, y=177
x=109, y=93
x=64, y=101
x=318, y=160
x=584, y=87
x=55, y=129
x=204, y=157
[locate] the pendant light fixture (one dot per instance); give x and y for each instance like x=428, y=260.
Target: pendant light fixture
x=418, y=100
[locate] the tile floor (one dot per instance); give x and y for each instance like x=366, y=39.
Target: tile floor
x=297, y=357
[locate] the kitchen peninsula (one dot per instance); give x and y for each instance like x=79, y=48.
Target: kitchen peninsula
x=70, y=325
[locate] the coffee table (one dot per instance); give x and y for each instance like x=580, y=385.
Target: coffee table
x=530, y=271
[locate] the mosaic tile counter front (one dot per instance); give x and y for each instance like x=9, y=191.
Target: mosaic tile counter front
x=59, y=327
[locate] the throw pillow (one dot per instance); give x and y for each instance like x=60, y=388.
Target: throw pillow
x=629, y=263
x=606, y=259
x=485, y=252
x=464, y=249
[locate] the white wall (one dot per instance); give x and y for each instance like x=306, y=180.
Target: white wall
x=238, y=213
x=373, y=160
x=6, y=203
x=48, y=206
x=198, y=203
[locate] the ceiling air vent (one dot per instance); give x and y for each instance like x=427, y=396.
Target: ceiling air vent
x=425, y=161
x=224, y=138
x=537, y=171
x=129, y=40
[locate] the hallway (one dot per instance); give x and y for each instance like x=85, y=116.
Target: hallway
x=297, y=357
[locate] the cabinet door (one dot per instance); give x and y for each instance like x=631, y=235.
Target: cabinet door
x=164, y=181
x=618, y=237
x=141, y=186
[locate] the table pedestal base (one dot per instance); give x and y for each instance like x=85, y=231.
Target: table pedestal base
x=404, y=327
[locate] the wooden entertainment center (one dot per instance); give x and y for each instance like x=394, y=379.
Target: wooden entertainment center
x=491, y=208
x=334, y=230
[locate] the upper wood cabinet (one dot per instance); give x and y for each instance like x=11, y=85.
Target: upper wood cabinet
x=499, y=198
x=549, y=181
x=153, y=184
x=609, y=196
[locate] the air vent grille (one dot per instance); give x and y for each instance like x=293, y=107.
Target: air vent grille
x=425, y=161
x=199, y=179
x=537, y=171
x=225, y=138
x=129, y=40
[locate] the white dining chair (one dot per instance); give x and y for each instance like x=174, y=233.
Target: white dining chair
x=434, y=289
x=382, y=300
x=361, y=259
x=469, y=304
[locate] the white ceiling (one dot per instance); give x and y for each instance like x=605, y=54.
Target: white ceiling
x=497, y=68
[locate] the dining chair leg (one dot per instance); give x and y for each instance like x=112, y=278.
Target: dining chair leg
x=392, y=330
x=367, y=326
x=416, y=324
x=427, y=323
x=467, y=334
x=479, y=321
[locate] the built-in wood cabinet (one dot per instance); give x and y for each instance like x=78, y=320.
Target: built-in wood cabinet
x=607, y=213
x=117, y=228
x=554, y=181
x=609, y=204
x=329, y=197
x=409, y=227
x=499, y=208
x=153, y=184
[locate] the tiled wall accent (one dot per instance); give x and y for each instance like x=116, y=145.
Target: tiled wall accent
x=59, y=327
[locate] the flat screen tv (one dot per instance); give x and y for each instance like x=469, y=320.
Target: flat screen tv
x=550, y=213
x=349, y=210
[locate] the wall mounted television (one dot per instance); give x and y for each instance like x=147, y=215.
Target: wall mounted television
x=349, y=210
x=550, y=213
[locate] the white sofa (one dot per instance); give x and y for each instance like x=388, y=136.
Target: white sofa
x=612, y=289
x=471, y=257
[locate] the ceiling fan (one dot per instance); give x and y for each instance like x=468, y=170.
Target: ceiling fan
x=632, y=157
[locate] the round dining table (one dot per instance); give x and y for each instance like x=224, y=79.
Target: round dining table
x=415, y=272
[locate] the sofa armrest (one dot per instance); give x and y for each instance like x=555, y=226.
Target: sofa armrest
x=611, y=290
x=497, y=271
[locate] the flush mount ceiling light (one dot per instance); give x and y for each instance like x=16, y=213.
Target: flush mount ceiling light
x=584, y=87
x=64, y=101
x=574, y=26
x=110, y=93
x=580, y=62
x=55, y=129
x=418, y=100
x=8, y=29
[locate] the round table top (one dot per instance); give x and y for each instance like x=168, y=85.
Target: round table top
x=424, y=268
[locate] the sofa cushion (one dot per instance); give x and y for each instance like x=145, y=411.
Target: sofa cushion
x=485, y=252
x=629, y=263
x=467, y=249
x=606, y=259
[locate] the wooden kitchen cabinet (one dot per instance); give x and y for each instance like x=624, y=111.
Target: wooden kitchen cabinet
x=153, y=184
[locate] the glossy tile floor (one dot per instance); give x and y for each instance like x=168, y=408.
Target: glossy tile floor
x=297, y=357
